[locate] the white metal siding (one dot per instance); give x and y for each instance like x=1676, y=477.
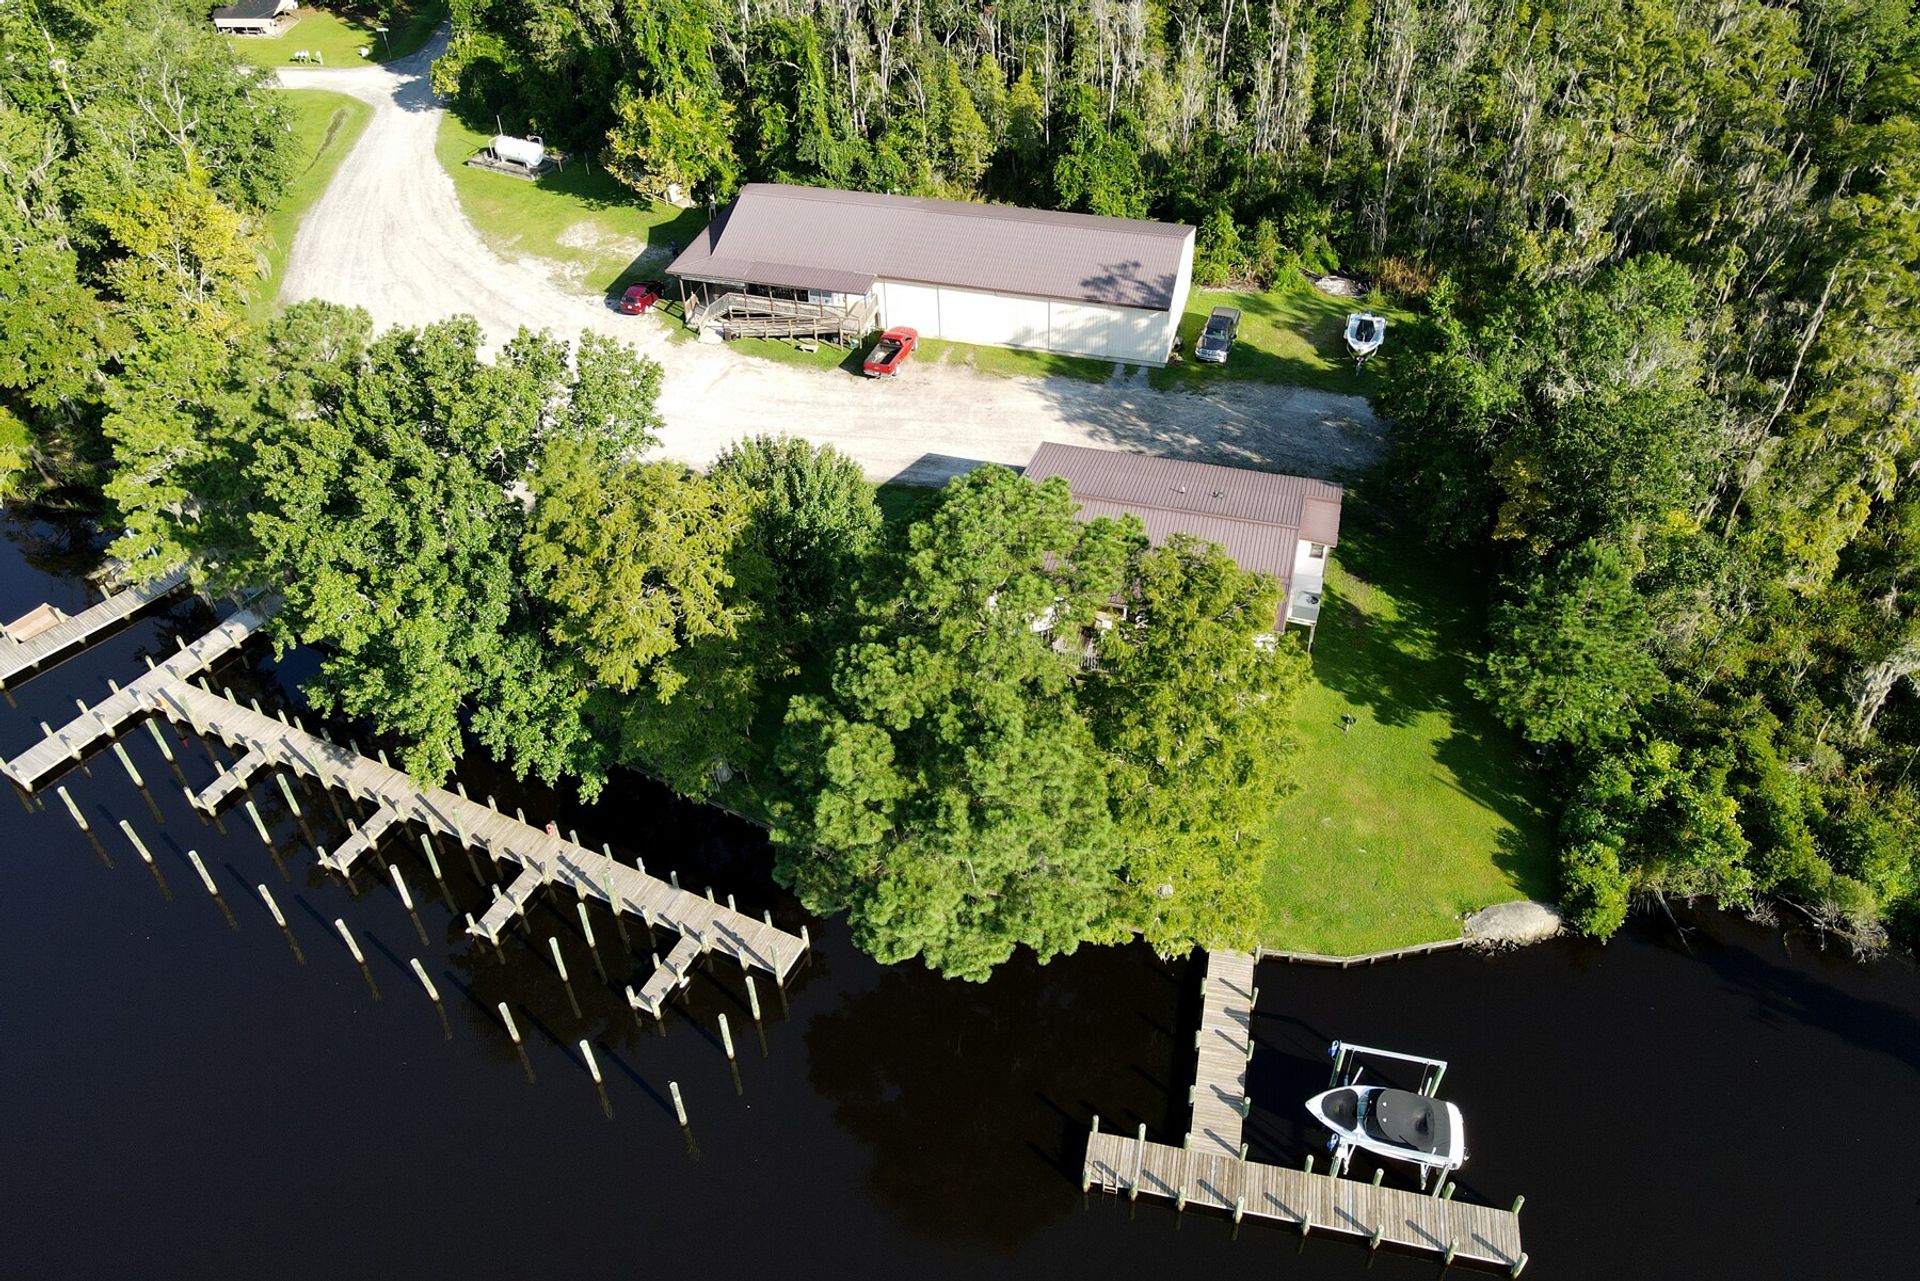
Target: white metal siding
x=1078, y=329
x=917, y=306
x=997, y=320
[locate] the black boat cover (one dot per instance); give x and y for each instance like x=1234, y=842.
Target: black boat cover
x=1410, y=1120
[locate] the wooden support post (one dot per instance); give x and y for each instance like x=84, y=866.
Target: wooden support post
x=1306, y=1222
x=675, y=877
x=120, y=750
x=710, y=897
x=1308, y=1165
x=679, y=1106
x=1377, y=1176
x=806, y=940
x=138, y=844
x=433, y=860
x=79, y=819
x=1239, y=1208
x=593, y=1066
x=1519, y=1265
x=193, y=857
x=1139, y=1161
x=419, y=972
x=286, y=790
x=1453, y=1247
x=730, y=906
x=753, y=998
x=259, y=826
x=506, y=1017
x=586, y=926
x=346, y=936
x=272, y=906
x=381, y=752
x=1517, y=1203
x=160, y=740
x=726, y=1037
x=553, y=944
x=400, y=884
x=1373, y=1242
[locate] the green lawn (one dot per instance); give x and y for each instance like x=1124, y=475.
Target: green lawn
x=592, y=232
x=325, y=127
x=1291, y=334
x=1012, y=362
x=338, y=38
x=1423, y=809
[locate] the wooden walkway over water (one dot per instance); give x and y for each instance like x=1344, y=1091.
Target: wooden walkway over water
x=547, y=858
x=1209, y=1170
x=63, y=746
x=1317, y=1202
x=19, y=656
x=1222, y=1046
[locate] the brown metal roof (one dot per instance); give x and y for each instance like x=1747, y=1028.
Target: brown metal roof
x=800, y=237
x=1257, y=516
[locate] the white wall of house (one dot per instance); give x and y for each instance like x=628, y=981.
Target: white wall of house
x=1132, y=335
x=1309, y=570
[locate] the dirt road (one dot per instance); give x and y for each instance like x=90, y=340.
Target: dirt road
x=389, y=235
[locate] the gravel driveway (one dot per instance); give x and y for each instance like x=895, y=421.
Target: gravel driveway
x=389, y=235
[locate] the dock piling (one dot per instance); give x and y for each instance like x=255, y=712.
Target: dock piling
x=120, y=750
x=506, y=1017
x=193, y=857
x=558, y=963
x=259, y=825
x=273, y=907
x=79, y=819
x=138, y=844
x=726, y=1037
x=160, y=740
x=400, y=884
x=753, y=999
x=679, y=1106
x=420, y=972
x=593, y=1066
x=586, y=926
x=346, y=936
x=286, y=790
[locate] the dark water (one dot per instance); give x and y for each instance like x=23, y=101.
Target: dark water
x=188, y=1095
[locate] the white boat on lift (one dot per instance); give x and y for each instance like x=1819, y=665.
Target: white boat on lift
x=1398, y=1125
x=1365, y=333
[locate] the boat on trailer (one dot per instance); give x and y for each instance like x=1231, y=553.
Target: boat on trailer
x=1365, y=333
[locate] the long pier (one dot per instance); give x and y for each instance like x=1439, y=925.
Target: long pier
x=1210, y=1169
x=63, y=746
x=19, y=656
x=1222, y=1048
x=548, y=858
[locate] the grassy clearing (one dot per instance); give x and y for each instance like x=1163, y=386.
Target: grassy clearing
x=594, y=233
x=1012, y=362
x=325, y=127
x=1423, y=809
x=338, y=38
x=1291, y=334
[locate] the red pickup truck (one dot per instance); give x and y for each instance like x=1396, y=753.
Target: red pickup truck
x=639, y=298
x=891, y=352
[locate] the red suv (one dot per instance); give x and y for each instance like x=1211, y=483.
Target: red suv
x=891, y=352
x=639, y=298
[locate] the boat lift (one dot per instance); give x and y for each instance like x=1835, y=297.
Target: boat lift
x=1346, y=1058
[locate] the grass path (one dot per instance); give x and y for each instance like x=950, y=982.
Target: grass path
x=1422, y=810
x=325, y=127
x=338, y=39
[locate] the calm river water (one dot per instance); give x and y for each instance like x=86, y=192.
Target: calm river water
x=190, y=1092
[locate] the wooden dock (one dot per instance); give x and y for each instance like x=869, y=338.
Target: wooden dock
x=1222, y=1046
x=20, y=656
x=231, y=780
x=714, y=927
x=672, y=974
x=1315, y=1202
x=361, y=841
x=63, y=746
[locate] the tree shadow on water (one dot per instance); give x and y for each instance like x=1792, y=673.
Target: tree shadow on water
x=975, y=1098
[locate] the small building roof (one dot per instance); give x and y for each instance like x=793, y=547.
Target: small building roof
x=842, y=241
x=249, y=10
x=1256, y=516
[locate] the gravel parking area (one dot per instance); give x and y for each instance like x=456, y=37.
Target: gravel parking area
x=389, y=235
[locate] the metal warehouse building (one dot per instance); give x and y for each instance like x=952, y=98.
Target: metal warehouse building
x=1077, y=284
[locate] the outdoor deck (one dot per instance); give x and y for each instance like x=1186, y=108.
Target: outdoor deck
x=1221, y=1046
x=20, y=656
x=1412, y=1220
x=231, y=780
x=63, y=746
x=714, y=926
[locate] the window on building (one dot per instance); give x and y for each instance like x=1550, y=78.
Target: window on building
x=1316, y=551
